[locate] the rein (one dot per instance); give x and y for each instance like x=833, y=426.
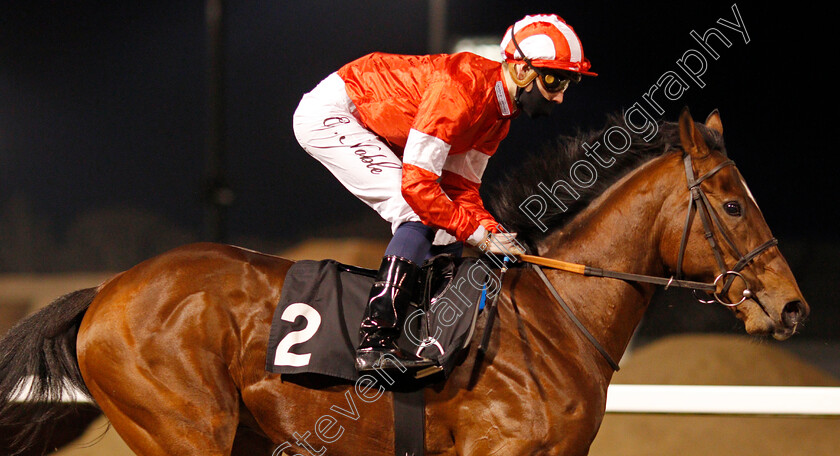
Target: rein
x=698, y=203
x=590, y=271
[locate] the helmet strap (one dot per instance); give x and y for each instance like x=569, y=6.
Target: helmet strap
x=530, y=75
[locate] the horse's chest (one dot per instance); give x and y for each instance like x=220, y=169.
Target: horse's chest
x=514, y=421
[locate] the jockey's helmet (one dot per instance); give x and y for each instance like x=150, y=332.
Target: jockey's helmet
x=547, y=42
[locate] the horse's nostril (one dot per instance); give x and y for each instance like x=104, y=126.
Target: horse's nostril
x=793, y=313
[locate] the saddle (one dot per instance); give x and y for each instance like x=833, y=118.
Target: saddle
x=315, y=329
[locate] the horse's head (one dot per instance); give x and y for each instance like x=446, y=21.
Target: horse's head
x=715, y=231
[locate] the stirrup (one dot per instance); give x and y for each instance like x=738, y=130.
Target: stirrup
x=390, y=359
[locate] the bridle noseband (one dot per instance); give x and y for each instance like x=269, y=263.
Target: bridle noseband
x=698, y=202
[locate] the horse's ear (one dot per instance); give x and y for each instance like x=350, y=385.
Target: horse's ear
x=713, y=122
x=691, y=139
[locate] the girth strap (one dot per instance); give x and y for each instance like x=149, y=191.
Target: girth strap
x=409, y=423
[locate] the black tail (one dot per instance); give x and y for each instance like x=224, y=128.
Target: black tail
x=42, y=348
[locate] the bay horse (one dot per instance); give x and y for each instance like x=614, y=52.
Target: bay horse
x=173, y=350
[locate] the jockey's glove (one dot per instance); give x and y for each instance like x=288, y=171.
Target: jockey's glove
x=501, y=244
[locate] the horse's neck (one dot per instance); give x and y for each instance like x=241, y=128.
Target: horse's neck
x=617, y=232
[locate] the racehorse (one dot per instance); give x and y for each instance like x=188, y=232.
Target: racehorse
x=173, y=349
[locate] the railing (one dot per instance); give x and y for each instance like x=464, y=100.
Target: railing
x=672, y=399
x=724, y=400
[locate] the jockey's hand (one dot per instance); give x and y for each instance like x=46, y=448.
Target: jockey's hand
x=503, y=244
x=498, y=243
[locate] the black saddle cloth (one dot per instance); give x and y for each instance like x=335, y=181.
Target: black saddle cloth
x=315, y=329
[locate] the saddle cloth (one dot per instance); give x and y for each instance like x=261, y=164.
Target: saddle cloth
x=315, y=328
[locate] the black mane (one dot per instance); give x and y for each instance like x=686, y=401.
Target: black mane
x=555, y=163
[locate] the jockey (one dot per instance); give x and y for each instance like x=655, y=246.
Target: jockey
x=411, y=136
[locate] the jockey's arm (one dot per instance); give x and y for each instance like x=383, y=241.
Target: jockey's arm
x=424, y=195
x=445, y=114
x=465, y=193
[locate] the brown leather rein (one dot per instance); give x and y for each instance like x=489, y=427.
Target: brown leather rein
x=698, y=203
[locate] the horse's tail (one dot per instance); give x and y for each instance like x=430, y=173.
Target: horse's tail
x=38, y=364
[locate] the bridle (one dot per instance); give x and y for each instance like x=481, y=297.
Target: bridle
x=698, y=203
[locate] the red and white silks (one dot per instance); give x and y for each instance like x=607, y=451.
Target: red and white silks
x=411, y=135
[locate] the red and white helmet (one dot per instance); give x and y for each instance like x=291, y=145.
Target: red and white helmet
x=548, y=42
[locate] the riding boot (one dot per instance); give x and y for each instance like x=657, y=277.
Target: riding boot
x=389, y=299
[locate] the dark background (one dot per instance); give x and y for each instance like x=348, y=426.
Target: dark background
x=105, y=117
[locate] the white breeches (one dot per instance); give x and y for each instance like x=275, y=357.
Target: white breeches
x=326, y=125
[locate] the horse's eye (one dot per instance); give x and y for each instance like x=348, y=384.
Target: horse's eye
x=732, y=208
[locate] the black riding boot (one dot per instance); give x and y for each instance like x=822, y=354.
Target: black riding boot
x=388, y=302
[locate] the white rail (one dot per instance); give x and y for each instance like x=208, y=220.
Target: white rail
x=724, y=400
x=673, y=399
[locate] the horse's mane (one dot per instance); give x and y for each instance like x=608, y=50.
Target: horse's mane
x=555, y=162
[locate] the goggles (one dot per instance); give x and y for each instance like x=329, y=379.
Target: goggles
x=552, y=82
